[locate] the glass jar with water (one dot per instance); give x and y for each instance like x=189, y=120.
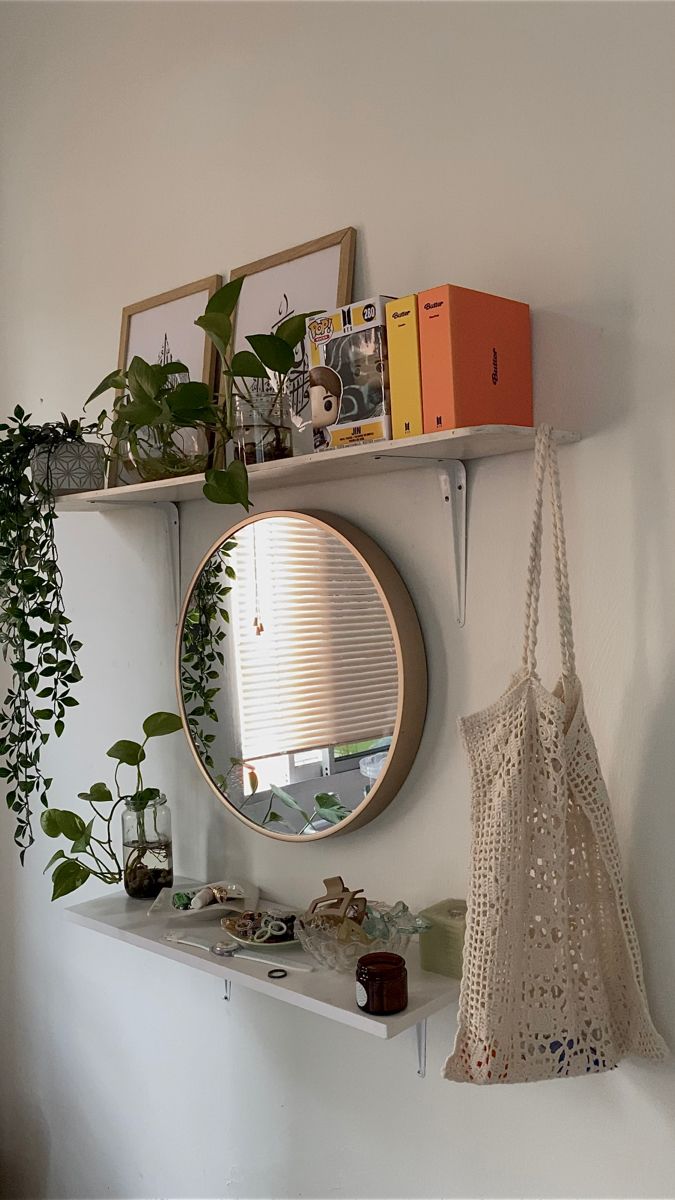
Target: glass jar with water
x=146, y=842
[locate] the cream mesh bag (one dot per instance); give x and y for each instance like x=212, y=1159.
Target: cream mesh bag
x=552, y=982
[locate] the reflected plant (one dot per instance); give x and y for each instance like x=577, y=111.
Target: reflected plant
x=201, y=655
x=91, y=852
x=327, y=807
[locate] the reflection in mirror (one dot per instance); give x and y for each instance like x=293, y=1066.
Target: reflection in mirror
x=288, y=674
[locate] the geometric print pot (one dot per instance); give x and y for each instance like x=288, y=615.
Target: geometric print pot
x=73, y=467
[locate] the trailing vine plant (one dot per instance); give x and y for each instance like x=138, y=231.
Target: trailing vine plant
x=201, y=654
x=35, y=634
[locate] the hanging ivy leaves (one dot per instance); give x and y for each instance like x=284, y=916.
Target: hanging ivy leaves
x=202, y=660
x=35, y=632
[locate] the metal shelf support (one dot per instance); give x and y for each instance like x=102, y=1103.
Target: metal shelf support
x=172, y=514
x=421, y=1039
x=452, y=482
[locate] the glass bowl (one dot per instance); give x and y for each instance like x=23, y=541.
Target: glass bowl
x=340, y=946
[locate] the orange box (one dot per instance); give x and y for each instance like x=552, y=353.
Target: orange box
x=475, y=359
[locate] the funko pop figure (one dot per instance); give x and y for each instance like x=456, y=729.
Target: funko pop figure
x=325, y=394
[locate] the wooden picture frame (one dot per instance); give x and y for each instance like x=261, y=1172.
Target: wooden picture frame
x=204, y=359
x=314, y=276
x=344, y=238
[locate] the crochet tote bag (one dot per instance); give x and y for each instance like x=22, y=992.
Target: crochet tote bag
x=552, y=981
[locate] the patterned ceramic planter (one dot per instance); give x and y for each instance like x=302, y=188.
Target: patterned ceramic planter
x=73, y=467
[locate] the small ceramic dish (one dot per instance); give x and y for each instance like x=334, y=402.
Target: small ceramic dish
x=240, y=895
x=228, y=923
x=262, y=946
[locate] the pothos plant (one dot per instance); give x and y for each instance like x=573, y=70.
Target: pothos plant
x=271, y=359
x=150, y=420
x=35, y=632
x=91, y=852
x=327, y=808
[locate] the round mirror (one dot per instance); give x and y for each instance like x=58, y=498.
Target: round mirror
x=301, y=674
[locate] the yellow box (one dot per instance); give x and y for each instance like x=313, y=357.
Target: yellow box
x=405, y=381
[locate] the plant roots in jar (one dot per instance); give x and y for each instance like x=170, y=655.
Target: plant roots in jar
x=147, y=869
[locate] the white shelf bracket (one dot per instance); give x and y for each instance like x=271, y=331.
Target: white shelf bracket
x=421, y=1039
x=227, y=994
x=172, y=514
x=452, y=482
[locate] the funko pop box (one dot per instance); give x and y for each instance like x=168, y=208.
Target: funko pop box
x=349, y=375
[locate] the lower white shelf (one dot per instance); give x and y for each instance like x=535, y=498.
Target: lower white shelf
x=319, y=991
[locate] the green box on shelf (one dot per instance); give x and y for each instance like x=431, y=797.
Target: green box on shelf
x=441, y=946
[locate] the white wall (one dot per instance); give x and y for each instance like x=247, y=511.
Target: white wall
x=523, y=149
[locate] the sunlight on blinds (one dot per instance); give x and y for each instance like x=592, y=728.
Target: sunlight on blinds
x=316, y=661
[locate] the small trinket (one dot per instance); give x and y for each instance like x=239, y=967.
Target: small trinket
x=381, y=984
x=339, y=901
x=261, y=927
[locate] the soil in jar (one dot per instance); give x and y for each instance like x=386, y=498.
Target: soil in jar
x=147, y=869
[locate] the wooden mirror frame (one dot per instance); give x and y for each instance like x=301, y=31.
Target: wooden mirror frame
x=410, y=659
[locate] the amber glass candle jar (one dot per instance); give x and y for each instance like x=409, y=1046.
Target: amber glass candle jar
x=381, y=984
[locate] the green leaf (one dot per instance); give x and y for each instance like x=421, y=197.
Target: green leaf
x=161, y=723
x=229, y=486
x=67, y=877
x=54, y=858
x=330, y=807
x=147, y=796
x=292, y=330
x=288, y=800
x=247, y=366
x=82, y=843
x=225, y=299
x=100, y=793
x=49, y=822
x=166, y=370
x=328, y=800
x=273, y=351
x=190, y=402
x=71, y=824
x=131, y=753
x=219, y=328
x=143, y=380
x=116, y=379
x=141, y=413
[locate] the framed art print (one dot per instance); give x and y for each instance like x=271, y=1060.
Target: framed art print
x=316, y=275
x=162, y=329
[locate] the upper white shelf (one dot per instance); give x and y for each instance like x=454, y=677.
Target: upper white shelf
x=320, y=991
x=483, y=441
